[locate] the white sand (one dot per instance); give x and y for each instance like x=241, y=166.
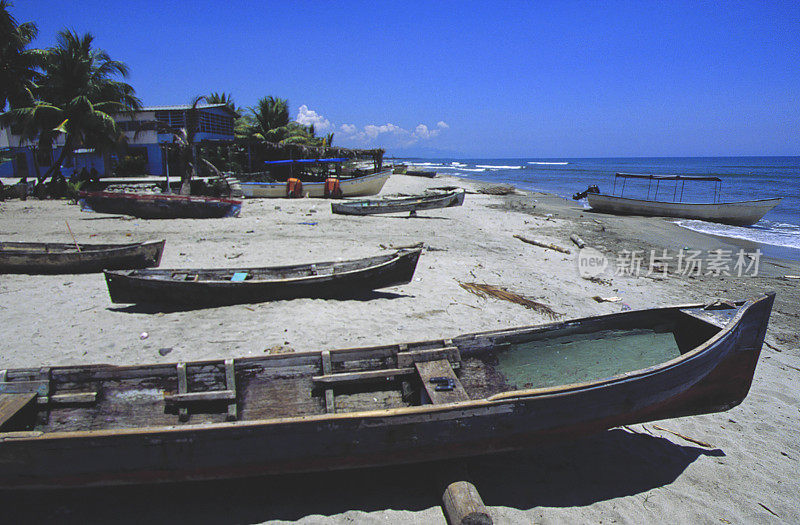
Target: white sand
x=69, y=319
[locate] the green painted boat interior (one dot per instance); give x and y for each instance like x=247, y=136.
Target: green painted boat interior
x=578, y=358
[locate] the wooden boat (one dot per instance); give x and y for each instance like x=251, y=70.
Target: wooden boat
x=314, y=411
x=421, y=173
x=404, y=204
x=739, y=213
x=214, y=287
x=49, y=257
x=159, y=205
x=362, y=186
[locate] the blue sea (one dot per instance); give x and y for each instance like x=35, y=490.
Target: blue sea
x=743, y=178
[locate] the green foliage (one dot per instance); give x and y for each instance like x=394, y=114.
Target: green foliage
x=131, y=166
x=18, y=65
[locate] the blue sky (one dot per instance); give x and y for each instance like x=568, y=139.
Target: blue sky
x=474, y=79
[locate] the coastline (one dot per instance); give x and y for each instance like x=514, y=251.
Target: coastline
x=68, y=319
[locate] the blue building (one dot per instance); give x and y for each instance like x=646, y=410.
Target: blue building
x=147, y=132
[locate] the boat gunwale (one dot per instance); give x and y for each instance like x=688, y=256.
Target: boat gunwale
x=158, y=196
x=85, y=248
x=494, y=401
x=393, y=259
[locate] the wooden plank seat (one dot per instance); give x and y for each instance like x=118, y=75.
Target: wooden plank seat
x=13, y=404
x=440, y=382
x=184, y=399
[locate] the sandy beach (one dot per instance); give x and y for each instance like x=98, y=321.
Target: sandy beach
x=642, y=473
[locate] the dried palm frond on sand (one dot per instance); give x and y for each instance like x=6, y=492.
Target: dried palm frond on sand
x=485, y=290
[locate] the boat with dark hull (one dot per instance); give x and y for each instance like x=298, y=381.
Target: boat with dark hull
x=51, y=257
x=159, y=205
x=737, y=213
x=474, y=394
x=397, y=205
x=217, y=287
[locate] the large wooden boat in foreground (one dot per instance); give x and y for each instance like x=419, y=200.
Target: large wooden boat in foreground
x=159, y=205
x=739, y=213
x=474, y=394
x=225, y=286
x=50, y=257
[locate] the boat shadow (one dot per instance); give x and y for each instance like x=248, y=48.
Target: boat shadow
x=610, y=465
x=155, y=308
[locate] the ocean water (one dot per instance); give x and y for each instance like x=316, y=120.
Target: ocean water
x=743, y=178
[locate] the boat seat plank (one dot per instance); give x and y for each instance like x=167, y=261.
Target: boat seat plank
x=719, y=318
x=11, y=404
x=327, y=369
x=200, y=397
x=448, y=353
x=429, y=371
x=183, y=389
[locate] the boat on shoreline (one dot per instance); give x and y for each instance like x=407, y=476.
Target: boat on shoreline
x=218, y=287
x=360, y=186
x=51, y=258
x=737, y=213
x=403, y=204
x=475, y=394
x=159, y=205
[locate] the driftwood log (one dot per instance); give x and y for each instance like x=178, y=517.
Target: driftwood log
x=542, y=244
x=461, y=502
x=577, y=240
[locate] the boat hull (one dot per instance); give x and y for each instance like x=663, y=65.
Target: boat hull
x=136, y=287
x=355, y=187
x=378, y=206
x=711, y=377
x=743, y=213
x=160, y=206
x=52, y=258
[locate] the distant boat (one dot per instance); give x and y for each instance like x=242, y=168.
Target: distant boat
x=159, y=205
x=475, y=394
x=50, y=257
x=217, y=287
x=739, y=213
x=360, y=186
x=421, y=173
x=397, y=205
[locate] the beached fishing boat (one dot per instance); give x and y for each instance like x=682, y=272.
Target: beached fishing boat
x=51, y=257
x=474, y=394
x=421, y=173
x=403, y=204
x=159, y=205
x=739, y=213
x=214, y=287
x=360, y=186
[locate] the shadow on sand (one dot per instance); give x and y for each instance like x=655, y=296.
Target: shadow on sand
x=610, y=465
x=152, y=308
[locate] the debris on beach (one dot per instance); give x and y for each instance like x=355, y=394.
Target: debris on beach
x=498, y=189
x=598, y=280
x=577, y=240
x=607, y=299
x=402, y=247
x=485, y=290
x=687, y=438
x=542, y=244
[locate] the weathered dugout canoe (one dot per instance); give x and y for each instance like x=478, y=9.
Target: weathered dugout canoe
x=739, y=213
x=420, y=173
x=354, y=187
x=404, y=204
x=217, y=287
x=159, y=206
x=51, y=257
x=313, y=411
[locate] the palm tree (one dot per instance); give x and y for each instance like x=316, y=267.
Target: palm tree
x=18, y=65
x=222, y=98
x=77, y=98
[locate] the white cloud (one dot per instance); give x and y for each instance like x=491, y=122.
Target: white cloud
x=442, y=124
x=307, y=117
x=348, y=129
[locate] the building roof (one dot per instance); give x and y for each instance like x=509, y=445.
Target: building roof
x=181, y=107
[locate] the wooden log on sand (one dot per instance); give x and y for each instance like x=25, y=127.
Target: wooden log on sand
x=461, y=502
x=542, y=244
x=577, y=240
x=464, y=506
